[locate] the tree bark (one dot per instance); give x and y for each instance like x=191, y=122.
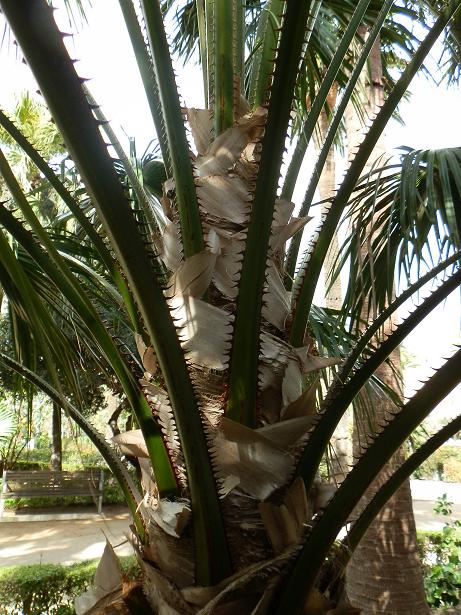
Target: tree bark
x=56, y=439
x=385, y=574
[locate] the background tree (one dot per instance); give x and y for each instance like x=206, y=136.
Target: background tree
x=33, y=120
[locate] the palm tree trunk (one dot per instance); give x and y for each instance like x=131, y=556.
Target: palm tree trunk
x=385, y=574
x=56, y=439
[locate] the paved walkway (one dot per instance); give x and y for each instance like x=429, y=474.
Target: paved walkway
x=80, y=534
x=64, y=538
x=426, y=519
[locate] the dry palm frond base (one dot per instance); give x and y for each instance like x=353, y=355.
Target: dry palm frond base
x=252, y=466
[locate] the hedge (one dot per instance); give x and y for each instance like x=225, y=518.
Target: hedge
x=444, y=464
x=440, y=554
x=50, y=589
x=428, y=541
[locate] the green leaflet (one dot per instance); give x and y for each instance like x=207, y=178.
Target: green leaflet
x=302, y=578
x=293, y=251
x=30, y=310
x=181, y=165
x=61, y=276
x=341, y=395
x=407, y=206
x=74, y=207
x=245, y=349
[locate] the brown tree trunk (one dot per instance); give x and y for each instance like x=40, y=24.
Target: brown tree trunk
x=385, y=574
x=56, y=439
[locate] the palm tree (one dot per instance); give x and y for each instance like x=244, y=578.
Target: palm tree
x=233, y=425
x=33, y=119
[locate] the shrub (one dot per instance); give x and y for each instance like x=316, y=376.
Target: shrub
x=452, y=469
x=444, y=464
x=73, y=459
x=50, y=589
x=112, y=491
x=441, y=556
x=30, y=465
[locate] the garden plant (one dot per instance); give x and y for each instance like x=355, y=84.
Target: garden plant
x=443, y=576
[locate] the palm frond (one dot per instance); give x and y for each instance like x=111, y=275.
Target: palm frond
x=410, y=210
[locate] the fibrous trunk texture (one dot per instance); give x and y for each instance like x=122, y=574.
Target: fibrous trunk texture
x=384, y=575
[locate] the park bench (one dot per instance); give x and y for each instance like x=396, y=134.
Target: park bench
x=46, y=483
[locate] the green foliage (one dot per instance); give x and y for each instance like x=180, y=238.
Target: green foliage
x=90, y=381
x=76, y=454
x=34, y=120
x=7, y=422
x=50, y=588
x=34, y=422
x=14, y=442
x=442, y=559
